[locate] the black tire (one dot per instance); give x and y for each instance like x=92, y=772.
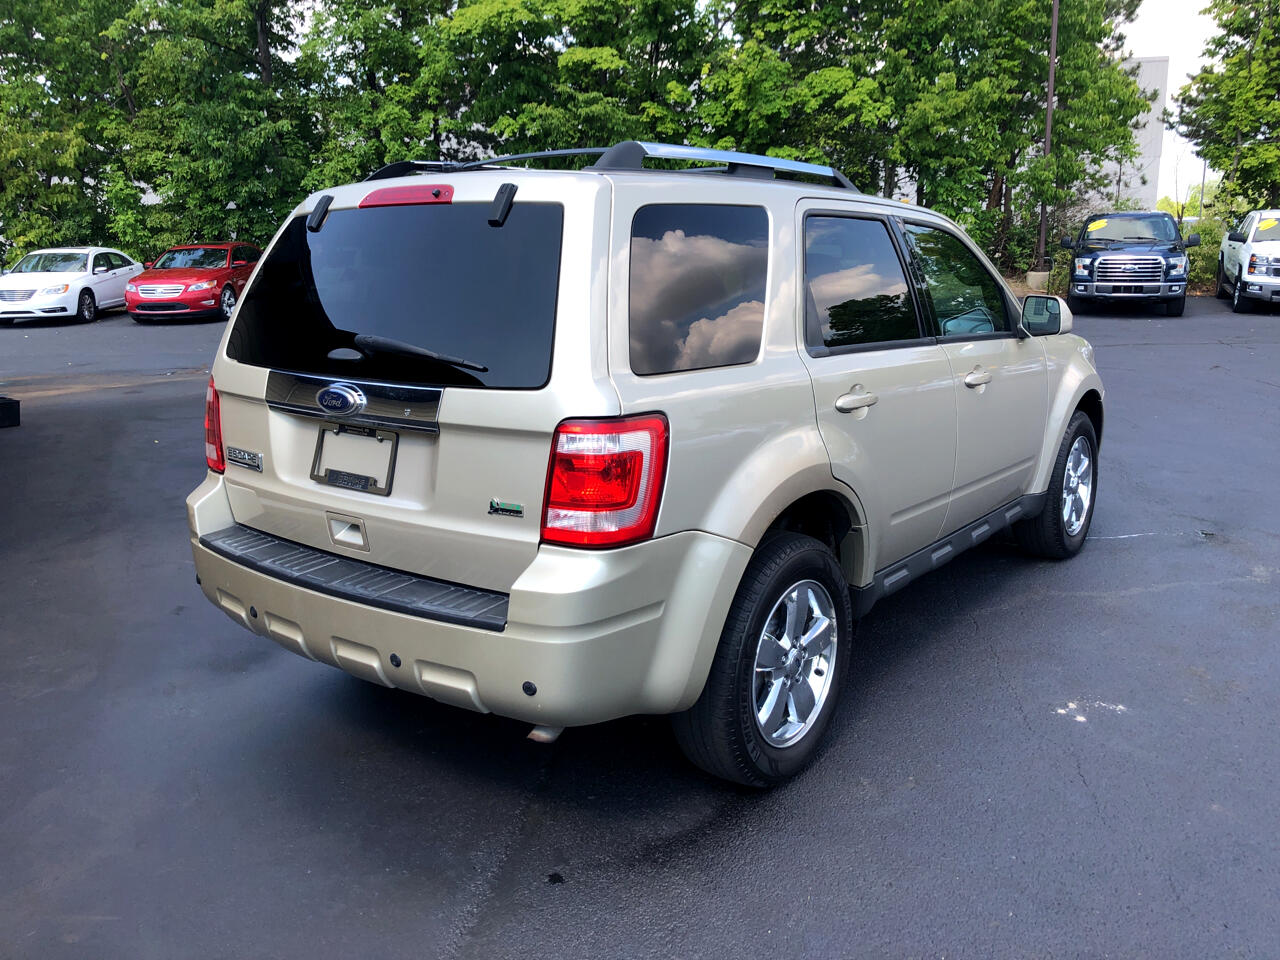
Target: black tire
x=1220, y=283
x=1174, y=308
x=719, y=733
x=1046, y=535
x=86, y=307
x=1239, y=302
x=6, y=321
x=228, y=293
x=1076, y=305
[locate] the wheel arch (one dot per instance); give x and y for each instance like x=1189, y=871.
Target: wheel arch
x=834, y=519
x=1079, y=389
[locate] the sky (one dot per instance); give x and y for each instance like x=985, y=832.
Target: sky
x=1178, y=30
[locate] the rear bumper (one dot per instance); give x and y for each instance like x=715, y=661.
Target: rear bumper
x=1088, y=290
x=600, y=634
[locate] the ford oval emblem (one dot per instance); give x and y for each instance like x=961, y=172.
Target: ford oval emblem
x=341, y=399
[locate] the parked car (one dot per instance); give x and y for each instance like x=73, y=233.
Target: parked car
x=567, y=446
x=65, y=282
x=194, y=282
x=1249, y=261
x=1130, y=257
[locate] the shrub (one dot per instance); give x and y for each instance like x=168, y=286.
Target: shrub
x=1204, y=258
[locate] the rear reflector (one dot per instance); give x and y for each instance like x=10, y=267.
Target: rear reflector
x=408, y=196
x=605, y=481
x=213, y=431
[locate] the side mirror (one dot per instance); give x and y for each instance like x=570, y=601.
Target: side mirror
x=98, y=270
x=147, y=265
x=240, y=263
x=1068, y=243
x=1192, y=241
x=1235, y=236
x=1044, y=315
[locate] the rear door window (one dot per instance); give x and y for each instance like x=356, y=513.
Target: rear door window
x=418, y=294
x=697, y=286
x=856, y=291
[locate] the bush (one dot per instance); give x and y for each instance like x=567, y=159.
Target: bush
x=1204, y=258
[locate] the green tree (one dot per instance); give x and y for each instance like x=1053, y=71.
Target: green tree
x=212, y=140
x=1231, y=109
x=57, y=92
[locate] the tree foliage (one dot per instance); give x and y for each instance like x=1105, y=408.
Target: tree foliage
x=1231, y=109
x=146, y=122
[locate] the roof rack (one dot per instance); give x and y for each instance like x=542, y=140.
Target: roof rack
x=630, y=155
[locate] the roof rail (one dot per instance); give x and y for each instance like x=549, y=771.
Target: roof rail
x=402, y=168
x=630, y=155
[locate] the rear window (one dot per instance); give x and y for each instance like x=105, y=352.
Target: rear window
x=697, y=286
x=375, y=292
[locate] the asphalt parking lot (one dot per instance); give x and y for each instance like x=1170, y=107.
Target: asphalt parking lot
x=1035, y=759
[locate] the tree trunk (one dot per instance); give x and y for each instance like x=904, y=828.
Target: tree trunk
x=262, y=20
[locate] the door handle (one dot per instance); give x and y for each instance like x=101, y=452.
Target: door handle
x=977, y=377
x=855, y=400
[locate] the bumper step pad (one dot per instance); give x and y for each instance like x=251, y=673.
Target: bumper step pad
x=358, y=581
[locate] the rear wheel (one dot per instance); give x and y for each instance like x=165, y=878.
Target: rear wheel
x=1174, y=308
x=1239, y=302
x=1220, y=282
x=777, y=673
x=86, y=307
x=1060, y=530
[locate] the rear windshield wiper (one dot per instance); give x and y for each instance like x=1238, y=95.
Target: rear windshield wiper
x=369, y=344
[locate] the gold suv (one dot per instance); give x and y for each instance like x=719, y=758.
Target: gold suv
x=571, y=445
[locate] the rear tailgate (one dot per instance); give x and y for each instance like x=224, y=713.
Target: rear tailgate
x=343, y=434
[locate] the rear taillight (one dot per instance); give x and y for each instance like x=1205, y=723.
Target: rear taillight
x=605, y=481
x=213, y=430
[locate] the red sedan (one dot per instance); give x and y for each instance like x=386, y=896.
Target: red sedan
x=198, y=281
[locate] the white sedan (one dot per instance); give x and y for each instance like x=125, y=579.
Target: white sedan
x=1249, y=260
x=65, y=282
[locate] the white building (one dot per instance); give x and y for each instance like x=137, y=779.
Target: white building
x=1137, y=184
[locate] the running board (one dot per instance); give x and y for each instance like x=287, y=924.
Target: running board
x=894, y=577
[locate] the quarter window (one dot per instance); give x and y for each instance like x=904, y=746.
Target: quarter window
x=855, y=290
x=697, y=286
x=966, y=299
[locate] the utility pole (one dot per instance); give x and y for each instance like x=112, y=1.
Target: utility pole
x=1048, y=125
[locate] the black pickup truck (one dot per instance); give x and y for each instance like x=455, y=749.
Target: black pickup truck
x=1129, y=256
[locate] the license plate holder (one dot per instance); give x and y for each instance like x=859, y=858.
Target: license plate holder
x=356, y=458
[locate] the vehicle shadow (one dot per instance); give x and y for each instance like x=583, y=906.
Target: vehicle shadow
x=60, y=320
x=635, y=760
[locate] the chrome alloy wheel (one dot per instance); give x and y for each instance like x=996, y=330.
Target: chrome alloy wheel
x=1077, y=486
x=794, y=663
x=228, y=302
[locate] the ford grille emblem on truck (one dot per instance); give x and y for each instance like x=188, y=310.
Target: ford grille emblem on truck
x=341, y=399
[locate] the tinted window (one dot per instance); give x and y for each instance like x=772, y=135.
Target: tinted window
x=855, y=290
x=697, y=286
x=965, y=298
x=199, y=258
x=101, y=260
x=247, y=254
x=417, y=278
x=118, y=260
